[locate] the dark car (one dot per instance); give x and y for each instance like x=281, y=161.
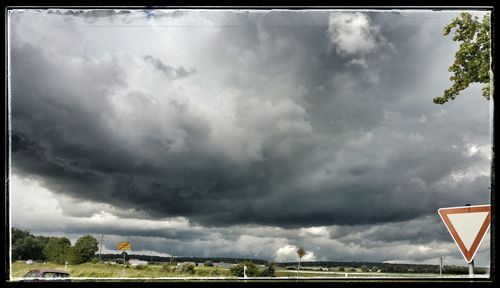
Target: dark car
x=47, y=275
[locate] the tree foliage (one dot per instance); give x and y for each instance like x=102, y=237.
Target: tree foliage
x=58, y=250
x=252, y=270
x=26, y=246
x=268, y=271
x=85, y=249
x=55, y=249
x=472, y=59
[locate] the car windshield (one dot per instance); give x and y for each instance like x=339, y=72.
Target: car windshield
x=32, y=274
x=55, y=275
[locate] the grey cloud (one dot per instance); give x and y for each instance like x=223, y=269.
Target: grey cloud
x=170, y=72
x=310, y=140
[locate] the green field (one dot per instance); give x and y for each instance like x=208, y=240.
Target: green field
x=101, y=270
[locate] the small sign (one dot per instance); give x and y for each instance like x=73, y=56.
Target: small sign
x=468, y=226
x=124, y=246
x=301, y=252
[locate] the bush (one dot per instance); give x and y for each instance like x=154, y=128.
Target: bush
x=168, y=268
x=364, y=268
x=352, y=269
x=215, y=272
x=341, y=269
x=141, y=267
x=267, y=272
x=185, y=268
x=237, y=270
x=202, y=272
x=208, y=264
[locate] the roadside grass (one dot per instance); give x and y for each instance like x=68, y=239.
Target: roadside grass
x=353, y=274
x=101, y=270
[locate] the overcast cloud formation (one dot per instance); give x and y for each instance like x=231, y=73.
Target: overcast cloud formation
x=245, y=133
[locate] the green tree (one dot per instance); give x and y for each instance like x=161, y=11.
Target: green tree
x=208, y=264
x=18, y=234
x=43, y=240
x=85, y=249
x=268, y=271
x=472, y=59
x=58, y=249
x=364, y=268
x=252, y=270
x=28, y=248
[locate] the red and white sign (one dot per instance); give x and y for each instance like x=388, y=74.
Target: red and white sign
x=468, y=226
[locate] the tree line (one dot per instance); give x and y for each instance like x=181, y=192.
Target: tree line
x=384, y=267
x=54, y=249
x=178, y=259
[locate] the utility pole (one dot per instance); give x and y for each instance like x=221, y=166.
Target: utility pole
x=171, y=256
x=100, y=248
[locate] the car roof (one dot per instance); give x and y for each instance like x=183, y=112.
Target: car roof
x=50, y=270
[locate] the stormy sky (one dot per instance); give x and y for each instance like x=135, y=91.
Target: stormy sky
x=245, y=133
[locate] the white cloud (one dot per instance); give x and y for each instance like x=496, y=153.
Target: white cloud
x=288, y=253
x=314, y=232
x=352, y=33
x=482, y=150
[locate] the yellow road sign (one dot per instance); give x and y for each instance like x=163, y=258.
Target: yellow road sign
x=124, y=246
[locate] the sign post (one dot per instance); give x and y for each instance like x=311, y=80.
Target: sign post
x=468, y=226
x=471, y=269
x=123, y=246
x=440, y=266
x=301, y=252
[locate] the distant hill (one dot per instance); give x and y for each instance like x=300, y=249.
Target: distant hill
x=374, y=266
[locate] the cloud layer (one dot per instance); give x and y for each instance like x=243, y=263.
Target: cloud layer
x=225, y=119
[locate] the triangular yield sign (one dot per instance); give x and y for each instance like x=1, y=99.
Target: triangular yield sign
x=468, y=226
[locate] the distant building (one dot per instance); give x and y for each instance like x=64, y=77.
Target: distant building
x=134, y=262
x=187, y=262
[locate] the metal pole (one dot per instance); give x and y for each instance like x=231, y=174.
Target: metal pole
x=471, y=269
x=298, y=270
x=471, y=264
x=440, y=266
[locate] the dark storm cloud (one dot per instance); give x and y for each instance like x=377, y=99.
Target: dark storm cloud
x=313, y=137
